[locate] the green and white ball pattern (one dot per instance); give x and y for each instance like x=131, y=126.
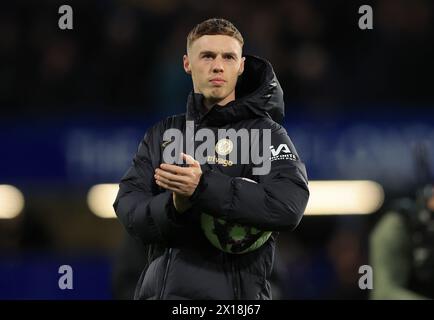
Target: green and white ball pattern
x=232, y=237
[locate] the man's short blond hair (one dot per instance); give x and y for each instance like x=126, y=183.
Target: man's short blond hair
x=214, y=26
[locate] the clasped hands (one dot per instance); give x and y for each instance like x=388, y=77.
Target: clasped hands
x=181, y=180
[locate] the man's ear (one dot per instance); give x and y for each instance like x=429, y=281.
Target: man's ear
x=241, y=70
x=186, y=62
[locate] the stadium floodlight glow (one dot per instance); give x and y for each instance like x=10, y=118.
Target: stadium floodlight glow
x=11, y=201
x=326, y=198
x=344, y=197
x=100, y=199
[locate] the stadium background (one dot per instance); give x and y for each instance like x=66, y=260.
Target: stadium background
x=74, y=105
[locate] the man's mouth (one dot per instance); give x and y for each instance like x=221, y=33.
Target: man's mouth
x=217, y=81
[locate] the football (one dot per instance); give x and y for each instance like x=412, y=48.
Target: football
x=232, y=237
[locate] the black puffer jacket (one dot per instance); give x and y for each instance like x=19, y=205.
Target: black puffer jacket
x=182, y=263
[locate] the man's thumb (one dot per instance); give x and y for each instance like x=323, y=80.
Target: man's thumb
x=190, y=160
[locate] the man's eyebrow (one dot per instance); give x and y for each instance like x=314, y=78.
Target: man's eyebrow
x=205, y=52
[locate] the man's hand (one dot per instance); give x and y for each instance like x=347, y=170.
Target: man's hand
x=181, y=180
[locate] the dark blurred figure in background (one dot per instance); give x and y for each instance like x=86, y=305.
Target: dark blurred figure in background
x=402, y=250
x=402, y=244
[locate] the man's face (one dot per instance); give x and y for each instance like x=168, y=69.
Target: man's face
x=215, y=62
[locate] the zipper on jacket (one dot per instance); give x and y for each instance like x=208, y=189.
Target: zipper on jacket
x=235, y=281
x=166, y=273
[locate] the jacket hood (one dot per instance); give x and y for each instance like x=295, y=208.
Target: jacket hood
x=258, y=95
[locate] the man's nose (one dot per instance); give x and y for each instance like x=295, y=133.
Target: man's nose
x=217, y=65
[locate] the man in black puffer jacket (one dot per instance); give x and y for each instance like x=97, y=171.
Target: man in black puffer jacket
x=162, y=204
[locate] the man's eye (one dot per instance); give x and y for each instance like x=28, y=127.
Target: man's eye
x=229, y=57
x=207, y=56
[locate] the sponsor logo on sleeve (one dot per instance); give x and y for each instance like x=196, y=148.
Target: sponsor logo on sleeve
x=282, y=152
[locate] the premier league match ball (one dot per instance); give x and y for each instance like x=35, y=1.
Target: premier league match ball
x=232, y=237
